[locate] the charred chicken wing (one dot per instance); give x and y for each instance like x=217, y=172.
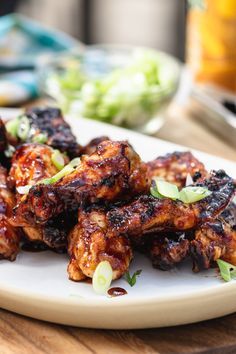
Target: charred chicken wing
x=148, y=214
x=113, y=170
x=214, y=240
x=30, y=164
x=49, y=123
x=9, y=235
x=91, y=242
x=168, y=250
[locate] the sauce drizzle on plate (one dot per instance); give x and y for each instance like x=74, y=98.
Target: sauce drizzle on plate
x=116, y=291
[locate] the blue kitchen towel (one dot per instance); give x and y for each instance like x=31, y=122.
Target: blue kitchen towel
x=22, y=42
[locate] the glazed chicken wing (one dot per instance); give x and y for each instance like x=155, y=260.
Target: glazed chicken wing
x=91, y=242
x=30, y=164
x=9, y=235
x=214, y=240
x=175, y=167
x=50, y=124
x=113, y=170
x=168, y=249
x=148, y=214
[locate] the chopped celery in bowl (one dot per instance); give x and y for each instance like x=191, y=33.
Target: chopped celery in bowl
x=125, y=86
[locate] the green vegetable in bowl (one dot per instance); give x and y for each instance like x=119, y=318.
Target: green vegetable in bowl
x=127, y=95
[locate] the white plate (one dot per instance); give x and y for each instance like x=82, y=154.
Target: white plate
x=36, y=284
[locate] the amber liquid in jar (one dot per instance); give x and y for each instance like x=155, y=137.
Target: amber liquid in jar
x=211, y=42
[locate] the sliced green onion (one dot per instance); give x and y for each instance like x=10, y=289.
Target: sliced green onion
x=102, y=277
x=9, y=151
x=190, y=194
x=58, y=160
x=227, y=270
x=23, y=189
x=23, y=128
x=40, y=138
x=12, y=126
x=64, y=172
x=74, y=163
x=189, y=180
x=166, y=189
x=154, y=192
x=193, y=194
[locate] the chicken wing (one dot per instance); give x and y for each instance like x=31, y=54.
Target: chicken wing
x=214, y=240
x=50, y=123
x=168, y=250
x=30, y=164
x=9, y=236
x=174, y=167
x=91, y=242
x=148, y=214
x=113, y=170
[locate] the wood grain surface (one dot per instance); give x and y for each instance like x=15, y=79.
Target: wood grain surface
x=21, y=335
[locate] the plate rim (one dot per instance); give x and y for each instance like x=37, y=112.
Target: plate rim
x=193, y=295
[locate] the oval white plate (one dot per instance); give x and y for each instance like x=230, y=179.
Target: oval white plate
x=36, y=284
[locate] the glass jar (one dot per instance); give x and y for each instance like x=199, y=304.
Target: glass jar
x=211, y=42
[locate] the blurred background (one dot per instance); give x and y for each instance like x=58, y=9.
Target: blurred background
x=155, y=23
x=199, y=36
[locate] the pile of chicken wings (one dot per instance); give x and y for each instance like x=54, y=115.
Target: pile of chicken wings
x=103, y=209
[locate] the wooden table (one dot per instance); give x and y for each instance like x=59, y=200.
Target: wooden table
x=21, y=335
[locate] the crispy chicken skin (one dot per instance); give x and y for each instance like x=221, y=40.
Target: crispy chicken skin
x=114, y=170
x=174, y=167
x=90, y=148
x=30, y=164
x=214, y=240
x=9, y=235
x=168, y=250
x=50, y=121
x=91, y=242
x=148, y=214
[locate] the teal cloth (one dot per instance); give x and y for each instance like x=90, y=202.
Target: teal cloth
x=22, y=42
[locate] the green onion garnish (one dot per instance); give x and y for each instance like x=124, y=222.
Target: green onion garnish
x=227, y=270
x=132, y=279
x=154, y=192
x=189, y=180
x=40, y=138
x=58, y=160
x=65, y=171
x=12, y=126
x=193, y=194
x=102, y=277
x=23, y=128
x=163, y=189
x=23, y=189
x=9, y=151
x=167, y=189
